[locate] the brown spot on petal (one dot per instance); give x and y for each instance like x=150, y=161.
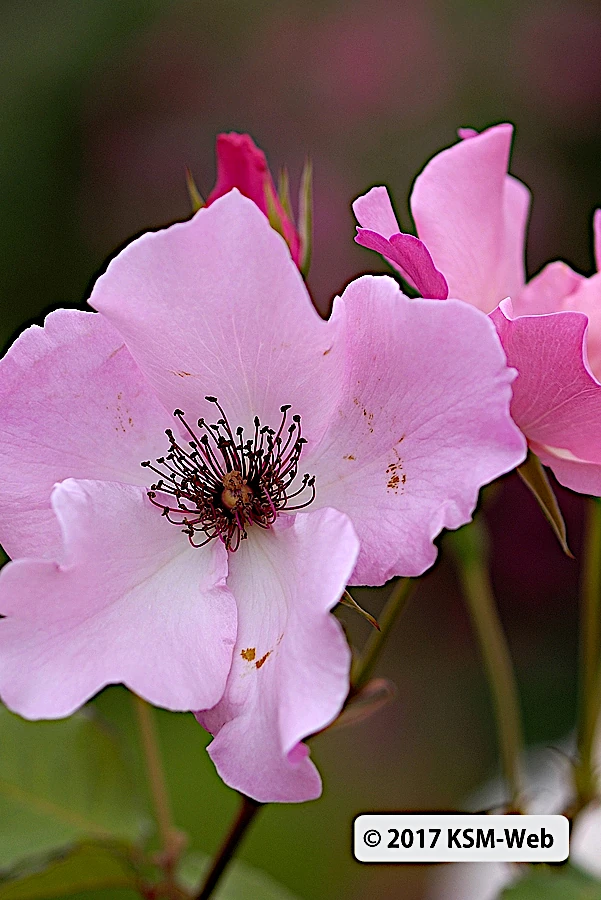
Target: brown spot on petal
x=370, y=420
x=260, y=662
x=396, y=475
x=349, y=456
x=116, y=351
x=325, y=352
x=184, y=374
x=248, y=654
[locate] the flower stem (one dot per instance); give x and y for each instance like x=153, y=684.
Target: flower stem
x=589, y=700
x=247, y=813
x=172, y=841
x=364, y=665
x=470, y=548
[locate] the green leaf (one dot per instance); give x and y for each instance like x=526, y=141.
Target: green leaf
x=534, y=476
x=554, y=883
x=240, y=881
x=273, y=213
x=305, y=217
x=347, y=600
x=61, y=782
x=284, y=193
x=195, y=197
x=82, y=868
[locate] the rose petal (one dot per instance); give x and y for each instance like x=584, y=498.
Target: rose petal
x=411, y=258
x=578, y=475
x=408, y=255
x=556, y=400
x=131, y=601
x=472, y=218
x=374, y=212
x=547, y=291
x=289, y=676
x=587, y=299
x=423, y=424
x=216, y=306
x=73, y=403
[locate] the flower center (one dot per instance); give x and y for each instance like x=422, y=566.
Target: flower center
x=220, y=484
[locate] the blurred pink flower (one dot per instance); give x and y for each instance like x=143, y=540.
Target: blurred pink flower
x=398, y=440
x=471, y=218
x=240, y=164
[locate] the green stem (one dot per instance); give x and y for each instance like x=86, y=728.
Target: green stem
x=172, y=840
x=246, y=815
x=364, y=665
x=589, y=700
x=470, y=548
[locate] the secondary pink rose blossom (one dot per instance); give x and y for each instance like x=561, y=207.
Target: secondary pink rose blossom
x=242, y=165
x=471, y=218
x=381, y=424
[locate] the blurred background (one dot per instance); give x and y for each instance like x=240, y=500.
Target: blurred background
x=104, y=103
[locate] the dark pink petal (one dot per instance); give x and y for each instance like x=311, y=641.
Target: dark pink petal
x=471, y=216
x=73, y=403
x=215, y=306
x=556, y=400
x=242, y=165
x=380, y=232
x=412, y=260
x=423, y=423
x=289, y=677
x=131, y=601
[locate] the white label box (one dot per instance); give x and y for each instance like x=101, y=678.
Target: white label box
x=459, y=837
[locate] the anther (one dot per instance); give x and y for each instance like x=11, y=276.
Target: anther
x=224, y=484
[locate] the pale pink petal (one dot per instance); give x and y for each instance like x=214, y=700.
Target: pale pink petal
x=472, y=219
x=130, y=601
x=374, y=212
x=548, y=291
x=72, y=403
x=215, y=306
x=556, y=400
x=424, y=423
x=512, y=269
x=587, y=299
x=289, y=677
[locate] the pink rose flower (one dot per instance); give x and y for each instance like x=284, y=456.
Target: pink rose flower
x=240, y=164
x=208, y=365
x=471, y=219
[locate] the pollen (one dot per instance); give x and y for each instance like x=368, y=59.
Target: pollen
x=218, y=484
